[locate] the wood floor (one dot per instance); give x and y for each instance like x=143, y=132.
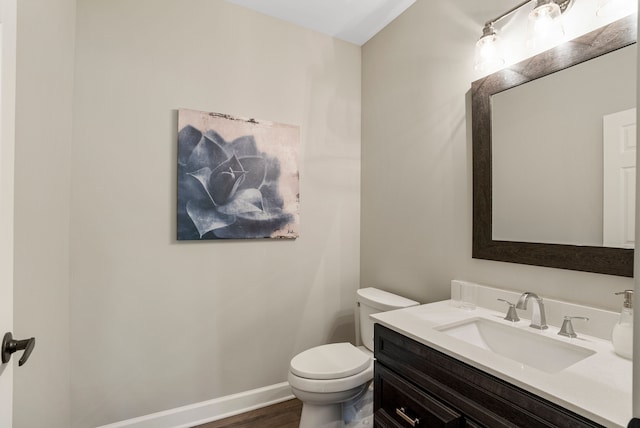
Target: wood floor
x=281, y=415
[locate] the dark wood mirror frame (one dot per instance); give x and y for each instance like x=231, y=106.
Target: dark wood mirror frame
x=612, y=261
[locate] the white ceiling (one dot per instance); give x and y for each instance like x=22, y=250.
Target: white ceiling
x=355, y=21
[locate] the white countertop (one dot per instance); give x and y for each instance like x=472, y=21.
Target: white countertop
x=598, y=387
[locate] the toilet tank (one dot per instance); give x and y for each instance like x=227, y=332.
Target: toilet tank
x=372, y=301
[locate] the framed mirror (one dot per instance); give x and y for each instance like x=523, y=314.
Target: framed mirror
x=502, y=230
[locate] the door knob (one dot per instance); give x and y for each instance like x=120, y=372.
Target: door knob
x=9, y=346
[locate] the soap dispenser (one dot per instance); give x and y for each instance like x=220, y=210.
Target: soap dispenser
x=622, y=335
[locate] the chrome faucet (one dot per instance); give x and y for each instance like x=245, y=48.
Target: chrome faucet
x=538, y=319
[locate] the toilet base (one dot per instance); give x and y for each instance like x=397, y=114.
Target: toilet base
x=327, y=410
x=321, y=416
x=358, y=412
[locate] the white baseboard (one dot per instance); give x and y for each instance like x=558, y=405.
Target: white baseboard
x=212, y=410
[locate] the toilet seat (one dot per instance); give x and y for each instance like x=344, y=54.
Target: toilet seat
x=337, y=367
x=331, y=385
x=332, y=361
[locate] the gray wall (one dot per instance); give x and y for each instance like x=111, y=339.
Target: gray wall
x=156, y=323
x=149, y=324
x=416, y=163
x=42, y=193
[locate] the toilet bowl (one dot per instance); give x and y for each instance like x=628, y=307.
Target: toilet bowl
x=327, y=376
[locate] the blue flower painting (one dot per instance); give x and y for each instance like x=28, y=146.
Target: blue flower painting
x=237, y=178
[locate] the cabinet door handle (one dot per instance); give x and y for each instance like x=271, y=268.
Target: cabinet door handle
x=401, y=412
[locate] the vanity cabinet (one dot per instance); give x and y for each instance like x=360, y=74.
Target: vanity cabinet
x=417, y=386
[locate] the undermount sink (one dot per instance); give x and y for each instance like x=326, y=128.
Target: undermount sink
x=526, y=347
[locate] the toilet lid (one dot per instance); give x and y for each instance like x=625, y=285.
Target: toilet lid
x=333, y=361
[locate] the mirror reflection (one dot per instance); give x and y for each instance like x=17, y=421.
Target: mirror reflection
x=563, y=153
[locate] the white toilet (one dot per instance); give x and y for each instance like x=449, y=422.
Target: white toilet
x=326, y=376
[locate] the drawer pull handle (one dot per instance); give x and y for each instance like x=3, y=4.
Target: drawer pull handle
x=401, y=412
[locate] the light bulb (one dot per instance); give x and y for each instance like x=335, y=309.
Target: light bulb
x=545, y=26
x=488, y=51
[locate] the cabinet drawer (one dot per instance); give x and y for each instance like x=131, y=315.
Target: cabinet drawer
x=483, y=398
x=403, y=405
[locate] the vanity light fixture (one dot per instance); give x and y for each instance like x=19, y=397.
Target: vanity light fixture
x=544, y=25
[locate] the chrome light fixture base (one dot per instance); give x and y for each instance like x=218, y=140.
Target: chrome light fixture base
x=564, y=5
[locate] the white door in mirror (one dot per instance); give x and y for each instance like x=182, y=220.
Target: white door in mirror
x=619, y=145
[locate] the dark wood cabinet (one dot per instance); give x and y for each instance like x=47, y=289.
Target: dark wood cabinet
x=417, y=386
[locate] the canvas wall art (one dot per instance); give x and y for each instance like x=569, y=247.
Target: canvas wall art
x=237, y=178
